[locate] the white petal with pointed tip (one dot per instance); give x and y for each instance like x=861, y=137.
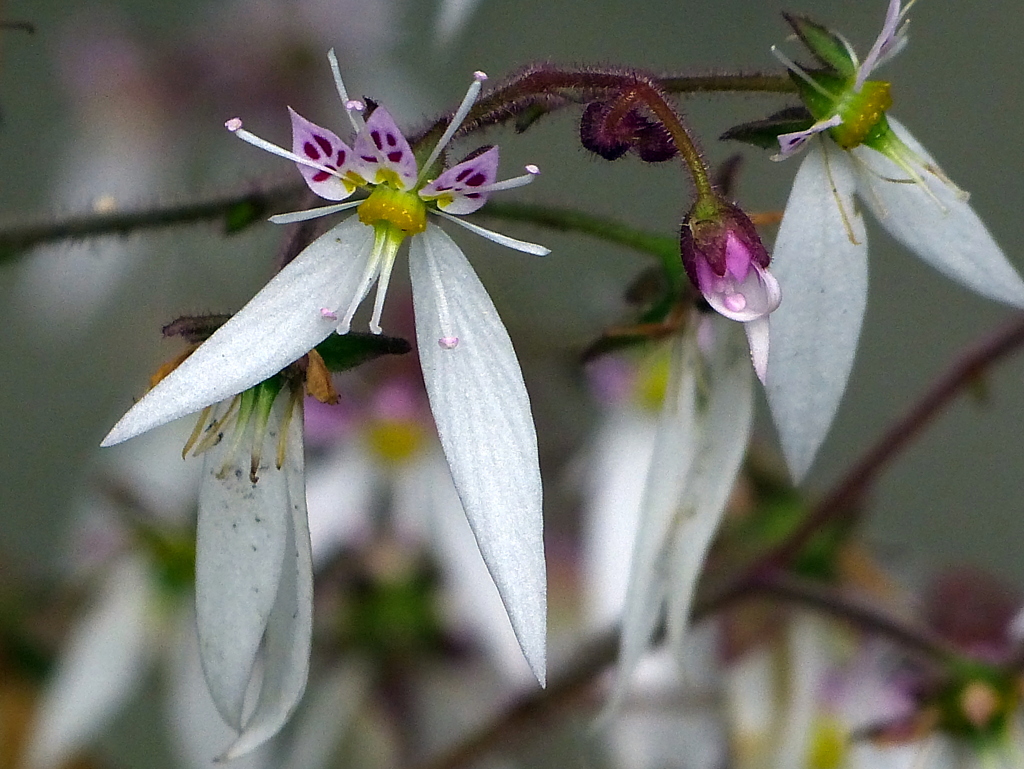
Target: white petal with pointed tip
x=954, y=241
x=724, y=429
x=289, y=629
x=675, y=448
x=824, y=281
x=278, y=326
x=482, y=412
x=100, y=669
x=241, y=537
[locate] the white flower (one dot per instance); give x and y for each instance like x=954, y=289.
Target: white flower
x=820, y=254
x=473, y=380
x=254, y=572
x=702, y=438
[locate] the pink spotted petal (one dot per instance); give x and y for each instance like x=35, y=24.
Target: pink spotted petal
x=381, y=147
x=321, y=146
x=462, y=188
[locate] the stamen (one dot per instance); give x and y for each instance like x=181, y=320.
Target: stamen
x=235, y=126
x=387, y=264
x=373, y=265
x=511, y=184
x=496, y=237
x=326, y=312
x=791, y=65
x=294, y=404
x=204, y=418
x=456, y=123
x=448, y=342
x=213, y=433
x=839, y=201
x=313, y=213
x=247, y=402
x=352, y=111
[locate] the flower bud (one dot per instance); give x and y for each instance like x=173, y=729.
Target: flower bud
x=724, y=258
x=611, y=132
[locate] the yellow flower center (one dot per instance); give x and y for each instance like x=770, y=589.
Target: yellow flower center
x=403, y=210
x=396, y=440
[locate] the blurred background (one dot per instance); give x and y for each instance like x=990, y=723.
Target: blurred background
x=116, y=105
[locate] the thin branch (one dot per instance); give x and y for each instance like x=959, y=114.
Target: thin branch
x=596, y=655
x=842, y=501
x=237, y=211
x=867, y=615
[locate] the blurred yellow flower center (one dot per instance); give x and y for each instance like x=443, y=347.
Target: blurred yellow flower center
x=827, y=748
x=396, y=440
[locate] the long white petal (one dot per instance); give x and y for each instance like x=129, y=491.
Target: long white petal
x=483, y=418
x=100, y=669
x=241, y=538
x=614, y=493
x=278, y=325
x=289, y=630
x=724, y=428
x=824, y=279
x=675, y=448
x=943, y=230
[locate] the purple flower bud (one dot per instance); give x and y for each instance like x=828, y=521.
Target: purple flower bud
x=611, y=133
x=724, y=258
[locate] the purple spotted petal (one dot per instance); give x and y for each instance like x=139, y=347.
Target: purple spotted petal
x=321, y=146
x=458, y=190
x=381, y=147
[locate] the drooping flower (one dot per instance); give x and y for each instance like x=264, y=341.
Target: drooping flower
x=473, y=380
x=254, y=572
x=725, y=259
x=701, y=439
x=820, y=254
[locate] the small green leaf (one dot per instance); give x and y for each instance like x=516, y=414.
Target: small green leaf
x=345, y=351
x=828, y=47
x=765, y=133
x=241, y=215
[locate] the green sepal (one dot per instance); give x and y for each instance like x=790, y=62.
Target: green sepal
x=346, y=351
x=826, y=46
x=765, y=133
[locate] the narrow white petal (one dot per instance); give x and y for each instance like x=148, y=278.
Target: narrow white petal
x=483, y=418
x=823, y=274
x=675, y=448
x=724, y=428
x=614, y=492
x=243, y=538
x=289, y=629
x=807, y=669
x=197, y=731
x=941, y=228
x=101, y=667
x=326, y=716
x=278, y=325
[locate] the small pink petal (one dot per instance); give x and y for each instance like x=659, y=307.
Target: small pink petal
x=466, y=183
x=323, y=147
x=380, y=146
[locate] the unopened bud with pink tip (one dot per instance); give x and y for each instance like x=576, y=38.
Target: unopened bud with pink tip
x=725, y=259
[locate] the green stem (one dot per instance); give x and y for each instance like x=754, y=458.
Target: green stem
x=666, y=249
x=237, y=211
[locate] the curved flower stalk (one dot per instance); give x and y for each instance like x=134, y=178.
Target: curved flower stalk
x=820, y=253
x=702, y=437
x=473, y=380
